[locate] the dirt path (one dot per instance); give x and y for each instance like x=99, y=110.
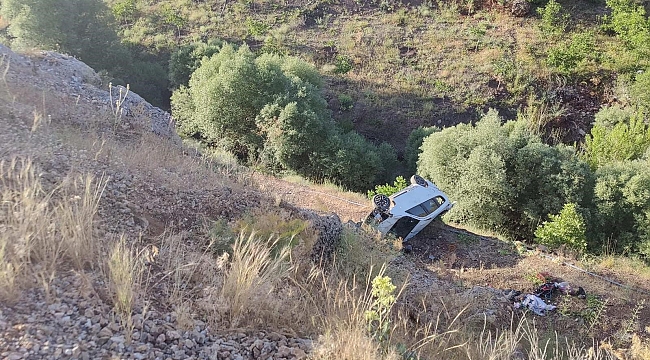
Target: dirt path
x=348, y=206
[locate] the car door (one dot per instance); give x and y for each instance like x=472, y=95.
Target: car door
x=404, y=226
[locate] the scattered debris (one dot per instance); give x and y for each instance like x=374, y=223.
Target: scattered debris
x=536, y=304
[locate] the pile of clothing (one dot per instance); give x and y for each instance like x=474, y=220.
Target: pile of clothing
x=539, y=301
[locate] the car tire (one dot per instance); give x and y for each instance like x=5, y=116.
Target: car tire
x=418, y=180
x=382, y=202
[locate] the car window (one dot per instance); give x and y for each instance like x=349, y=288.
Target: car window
x=427, y=207
x=418, y=210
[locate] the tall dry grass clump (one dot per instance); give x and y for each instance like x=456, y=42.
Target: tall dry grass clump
x=253, y=272
x=125, y=275
x=27, y=235
x=75, y=213
x=42, y=231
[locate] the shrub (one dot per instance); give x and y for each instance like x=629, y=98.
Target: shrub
x=387, y=189
x=187, y=59
x=566, y=228
x=622, y=198
x=566, y=57
x=125, y=10
x=628, y=20
x=413, y=143
x=640, y=90
x=609, y=116
x=270, y=110
x=346, y=102
x=553, y=19
x=501, y=176
x=624, y=141
x=356, y=162
x=343, y=64
x=78, y=27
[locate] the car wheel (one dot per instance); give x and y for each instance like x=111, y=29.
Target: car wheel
x=419, y=180
x=382, y=202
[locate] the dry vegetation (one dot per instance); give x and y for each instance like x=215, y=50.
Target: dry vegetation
x=52, y=225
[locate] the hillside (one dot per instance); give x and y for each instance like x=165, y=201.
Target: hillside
x=119, y=241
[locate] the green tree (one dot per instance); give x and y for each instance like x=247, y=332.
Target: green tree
x=125, y=10
x=501, y=176
x=270, y=110
x=553, y=19
x=628, y=19
x=622, y=197
x=78, y=27
x=624, y=141
x=187, y=59
x=413, y=143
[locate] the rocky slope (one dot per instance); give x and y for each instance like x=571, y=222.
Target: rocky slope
x=56, y=111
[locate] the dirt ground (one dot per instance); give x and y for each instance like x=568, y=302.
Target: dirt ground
x=445, y=258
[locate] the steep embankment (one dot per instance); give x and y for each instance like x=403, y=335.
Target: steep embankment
x=182, y=301
x=54, y=111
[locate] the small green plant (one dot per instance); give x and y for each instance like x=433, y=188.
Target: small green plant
x=343, y=64
x=567, y=228
x=535, y=279
x=346, y=102
x=593, y=314
x=387, y=189
x=383, y=292
x=256, y=27
x=553, y=19
x=567, y=56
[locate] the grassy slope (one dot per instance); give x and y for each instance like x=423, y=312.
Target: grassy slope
x=165, y=184
x=430, y=64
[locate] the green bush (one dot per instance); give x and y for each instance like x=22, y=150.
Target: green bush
x=622, y=198
x=640, y=90
x=566, y=228
x=346, y=102
x=553, y=19
x=413, y=144
x=356, y=162
x=610, y=116
x=187, y=59
x=270, y=110
x=387, y=189
x=501, y=176
x=343, y=64
x=566, y=57
x=623, y=141
x=125, y=10
x=78, y=27
x=628, y=20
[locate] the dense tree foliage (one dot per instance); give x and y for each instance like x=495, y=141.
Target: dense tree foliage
x=413, y=144
x=502, y=176
x=187, y=59
x=622, y=196
x=78, y=27
x=270, y=110
x=566, y=228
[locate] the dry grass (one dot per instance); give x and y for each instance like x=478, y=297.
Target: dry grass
x=43, y=231
x=252, y=272
x=125, y=276
x=76, y=214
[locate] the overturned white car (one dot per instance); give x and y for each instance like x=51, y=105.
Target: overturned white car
x=407, y=212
